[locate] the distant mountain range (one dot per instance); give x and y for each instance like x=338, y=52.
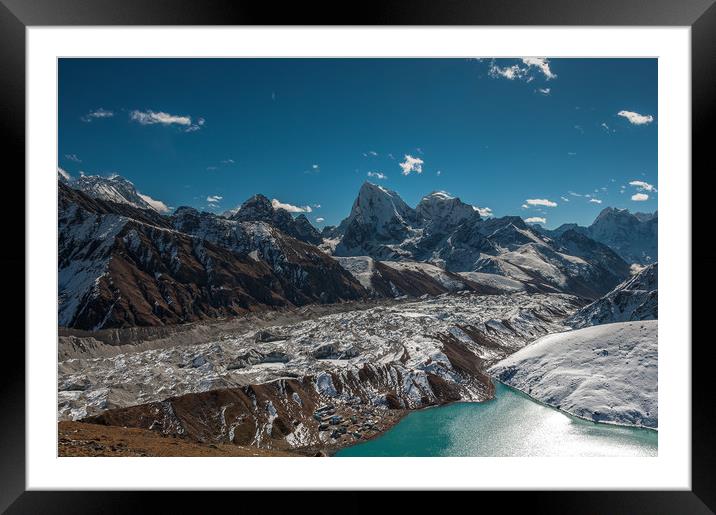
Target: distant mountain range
x=122, y=262
x=631, y=235
x=445, y=231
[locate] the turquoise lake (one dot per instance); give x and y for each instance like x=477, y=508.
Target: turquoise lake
x=511, y=424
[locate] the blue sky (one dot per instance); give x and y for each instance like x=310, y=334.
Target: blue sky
x=560, y=133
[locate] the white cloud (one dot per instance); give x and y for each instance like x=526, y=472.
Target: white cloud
x=605, y=126
x=378, y=175
x=536, y=220
x=151, y=117
x=320, y=220
x=315, y=167
x=540, y=202
x=640, y=197
x=372, y=153
x=277, y=204
x=97, y=113
x=439, y=173
x=595, y=201
x=575, y=194
x=195, y=126
x=508, y=72
x=541, y=64
x=213, y=199
x=642, y=186
x=228, y=162
x=565, y=199
x=73, y=157
x=544, y=91
x=636, y=118
x=157, y=205
x=523, y=72
x=411, y=164
x=485, y=212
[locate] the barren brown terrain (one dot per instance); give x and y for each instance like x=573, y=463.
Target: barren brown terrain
x=81, y=439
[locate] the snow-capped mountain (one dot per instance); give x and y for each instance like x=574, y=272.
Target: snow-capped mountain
x=122, y=266
x=605, y=373
x=632, y=236
x=451, y=234
x=114, y=244
x=378, y=219
x=113, y=188
x=440, y=212
x=634, y=299
x=260, y=209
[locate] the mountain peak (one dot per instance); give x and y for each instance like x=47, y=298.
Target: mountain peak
x=259, y=208
x=114, y=188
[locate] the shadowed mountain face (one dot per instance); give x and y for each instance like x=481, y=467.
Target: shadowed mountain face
x=122, y=266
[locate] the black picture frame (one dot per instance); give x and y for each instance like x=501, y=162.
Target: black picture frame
x=16, y=15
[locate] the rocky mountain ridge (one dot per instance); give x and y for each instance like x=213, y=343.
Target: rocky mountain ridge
x=446, y=232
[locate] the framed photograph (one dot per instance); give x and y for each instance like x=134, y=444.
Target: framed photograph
x=417, y=248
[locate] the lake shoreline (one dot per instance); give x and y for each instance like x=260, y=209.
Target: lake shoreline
x=455, y=423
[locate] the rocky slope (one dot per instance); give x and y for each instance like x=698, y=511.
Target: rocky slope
x=262, y=387
x=123, y=266
x=634, y=299
x=306, y=273
x=605, y=373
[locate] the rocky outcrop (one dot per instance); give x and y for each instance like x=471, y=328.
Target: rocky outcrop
x=260, y=209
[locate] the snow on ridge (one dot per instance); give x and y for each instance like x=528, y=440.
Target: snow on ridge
x=605, y=373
